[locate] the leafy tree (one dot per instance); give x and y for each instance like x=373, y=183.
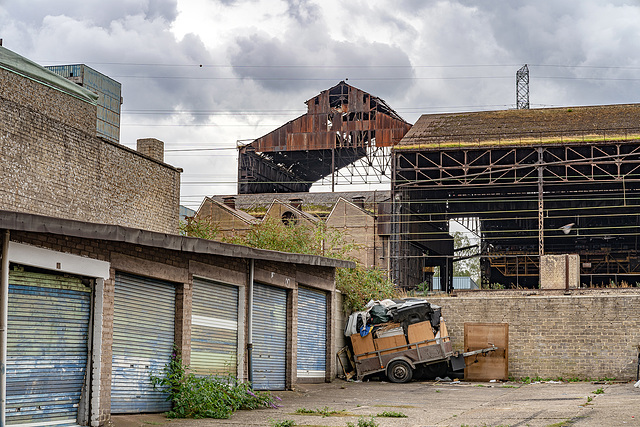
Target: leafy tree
x=203, y=228
x=358, y=285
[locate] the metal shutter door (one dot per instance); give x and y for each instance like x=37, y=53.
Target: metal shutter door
x=214, y=328
x=269, y=337
x=47, y=348
x=143, y=334
x=312, y=333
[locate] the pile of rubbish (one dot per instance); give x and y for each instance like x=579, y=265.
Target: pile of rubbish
x=393, y=317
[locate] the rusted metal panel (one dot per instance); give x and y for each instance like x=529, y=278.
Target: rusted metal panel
x=348, y=109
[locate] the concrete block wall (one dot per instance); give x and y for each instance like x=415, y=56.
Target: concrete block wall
x=54, y=165
x=584, y=335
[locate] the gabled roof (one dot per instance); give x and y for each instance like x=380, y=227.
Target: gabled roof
x=293, y=209
x=342, y=199
x=241, y=215
x=513, y=127
x=18, y=64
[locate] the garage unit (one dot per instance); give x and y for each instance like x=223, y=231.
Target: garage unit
x=47, y=346
x=269, y=337
x=143, y=337
x=312, y=334
x=214, y=328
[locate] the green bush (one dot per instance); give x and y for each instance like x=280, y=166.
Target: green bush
x=360, y=285
x=207, y=396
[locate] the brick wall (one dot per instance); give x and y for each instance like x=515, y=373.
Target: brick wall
x=587, y=334
x=54, y=165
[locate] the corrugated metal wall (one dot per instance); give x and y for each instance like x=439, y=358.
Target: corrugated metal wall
x=214, y=328
x=143, y=336
x=312, y=333
x=269, y=337
x=47, y=348
x=458, y=283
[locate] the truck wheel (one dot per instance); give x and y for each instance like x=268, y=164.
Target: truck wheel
x=399, y=371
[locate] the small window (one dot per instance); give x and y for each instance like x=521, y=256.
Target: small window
x=289, y=219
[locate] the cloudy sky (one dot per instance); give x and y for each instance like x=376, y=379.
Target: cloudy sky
x=204, y=74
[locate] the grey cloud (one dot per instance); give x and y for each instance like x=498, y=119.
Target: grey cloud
x=99, y=13
x=303, y=11
x=292, y=65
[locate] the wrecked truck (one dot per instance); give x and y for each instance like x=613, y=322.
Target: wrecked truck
x=400, y=338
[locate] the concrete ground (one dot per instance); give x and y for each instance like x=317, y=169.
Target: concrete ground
x=430, y=403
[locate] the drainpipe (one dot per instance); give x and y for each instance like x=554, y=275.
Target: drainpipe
x=4, y=311
x=250, y=324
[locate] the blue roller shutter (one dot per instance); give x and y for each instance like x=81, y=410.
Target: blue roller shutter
x=269, y=337
x=143, y=335
x=312, y=333
x=214, y=328
x=46, y=348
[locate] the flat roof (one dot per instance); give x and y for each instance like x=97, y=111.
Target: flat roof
x=20, y=221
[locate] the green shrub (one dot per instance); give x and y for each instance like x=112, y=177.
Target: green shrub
x=207, y=396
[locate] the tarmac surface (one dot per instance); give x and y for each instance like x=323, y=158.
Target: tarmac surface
x=430, y=403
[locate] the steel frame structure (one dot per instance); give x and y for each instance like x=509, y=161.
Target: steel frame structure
x=527, y=195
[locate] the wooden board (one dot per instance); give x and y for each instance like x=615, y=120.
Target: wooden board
x=444, y=334
x=362, y=344
x=390, y=342
x=422, y=331
x=493, y=366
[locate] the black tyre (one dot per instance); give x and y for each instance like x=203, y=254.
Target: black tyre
x=399, y=371
x=435, y=370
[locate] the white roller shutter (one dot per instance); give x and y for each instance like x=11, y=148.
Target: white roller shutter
x=312, y=333
x=269, y=337
x=214, y=328
x=143, y=336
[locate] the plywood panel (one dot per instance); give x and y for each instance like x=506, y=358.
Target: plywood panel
x=418, y=332
x=389, y=342
x=493, y=366
x=362, y=344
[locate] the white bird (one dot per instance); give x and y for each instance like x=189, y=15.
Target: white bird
x=566, y=229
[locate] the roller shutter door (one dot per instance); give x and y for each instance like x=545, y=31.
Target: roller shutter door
x=47, y=349
x=269, y=337
x=143, y=335
x=214, y=328
x=312, y=333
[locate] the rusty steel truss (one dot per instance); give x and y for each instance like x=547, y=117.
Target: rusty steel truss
x=551, y=195
x=345, y=136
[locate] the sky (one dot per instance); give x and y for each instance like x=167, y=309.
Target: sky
x=206, y=75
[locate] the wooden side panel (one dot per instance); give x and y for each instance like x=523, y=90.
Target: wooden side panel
x=495, y=365
x=389, y=342
x=362, y=344
x=420, y=332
